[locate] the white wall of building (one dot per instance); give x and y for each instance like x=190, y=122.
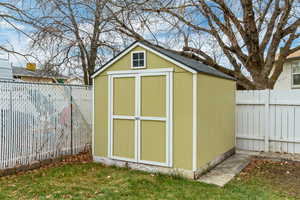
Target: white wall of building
x=5, y=69
x=284, y=81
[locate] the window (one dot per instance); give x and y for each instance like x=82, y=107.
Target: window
x=138, y=59
x=296, y=74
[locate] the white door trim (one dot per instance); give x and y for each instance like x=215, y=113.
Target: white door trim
x=168, y=119
x=123, y=117
x=110, y=113
x=111, y=116
x=137, y=115
x=142, y=72
x=153, y=118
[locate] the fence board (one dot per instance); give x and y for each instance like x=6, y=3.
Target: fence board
x=268, y=120
x=42, y=121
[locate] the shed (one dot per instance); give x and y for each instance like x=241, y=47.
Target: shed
x=158, y=111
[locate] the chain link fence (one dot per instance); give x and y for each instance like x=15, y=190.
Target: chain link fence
x=43, y=121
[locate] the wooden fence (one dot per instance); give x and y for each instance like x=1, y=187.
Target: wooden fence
x=42, y=121
x=268, y=120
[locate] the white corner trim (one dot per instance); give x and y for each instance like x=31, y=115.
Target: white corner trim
x=145, y=60
x=170, y=117
x=93, y=126
x=194, y=122
x=149, y=49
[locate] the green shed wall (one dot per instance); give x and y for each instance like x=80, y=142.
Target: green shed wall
x=182, y=113
x=216, y=117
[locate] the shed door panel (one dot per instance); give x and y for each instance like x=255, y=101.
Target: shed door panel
x=124, y=138
x=153, y=119
x=124, y=96
x=123, y=121
x=153, y=141
x=153, y=96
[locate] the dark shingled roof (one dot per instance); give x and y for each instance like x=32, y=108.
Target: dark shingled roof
x=189, y=62
x=21, y=71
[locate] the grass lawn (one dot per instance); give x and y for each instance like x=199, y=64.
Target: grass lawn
x=95, y=181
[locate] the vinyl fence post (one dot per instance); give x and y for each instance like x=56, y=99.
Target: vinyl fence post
x=71, y=118
x=267, y=119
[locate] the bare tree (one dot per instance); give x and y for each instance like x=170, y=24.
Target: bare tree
x=12, y=16
x=67, y=32
x=79, y=30
x=255, y=36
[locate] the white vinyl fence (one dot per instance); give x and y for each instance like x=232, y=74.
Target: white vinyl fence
x=268, y=120
x=42, y=121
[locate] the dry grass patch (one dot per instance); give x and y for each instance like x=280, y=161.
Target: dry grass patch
x=282, y=176
x=95, y=181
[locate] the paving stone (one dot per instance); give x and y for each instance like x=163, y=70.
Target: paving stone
x=225, y=171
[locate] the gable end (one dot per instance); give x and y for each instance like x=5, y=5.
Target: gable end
x=131, y=47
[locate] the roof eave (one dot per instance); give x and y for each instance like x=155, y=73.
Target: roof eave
x=32, y=76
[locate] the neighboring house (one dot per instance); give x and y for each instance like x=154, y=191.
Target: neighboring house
x=290, y=76
x=36, y=75
x=156, y=110
x=75, y=81
x=5, y=69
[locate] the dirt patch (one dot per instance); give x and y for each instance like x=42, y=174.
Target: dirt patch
x=282, y=176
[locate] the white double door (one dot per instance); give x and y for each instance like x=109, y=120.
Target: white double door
x=140, y=117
